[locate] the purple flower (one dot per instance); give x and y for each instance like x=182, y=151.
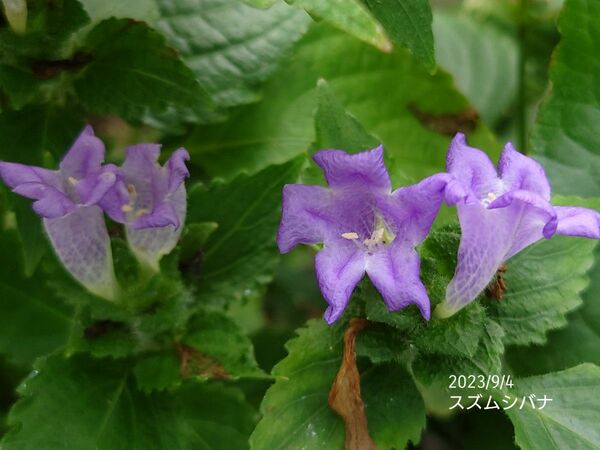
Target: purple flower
x=364, y=226
x=500, y=214
x=151, y=200
x=67, y=201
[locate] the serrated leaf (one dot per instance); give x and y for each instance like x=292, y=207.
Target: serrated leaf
x=482, y=60
x=133, y=73
x=392, y=96
x=431, y=372
x=565, y=135
x=94, y=405
x=569, y=420
x=249, y=45
x=295, y=410
x=214, y=335
x=33, y=320
x=543, y=285
x=407, y=23
x=350, y=16
x=240, y=255
x=579, y=341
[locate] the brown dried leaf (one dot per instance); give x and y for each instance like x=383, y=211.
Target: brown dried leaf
x=345, y=398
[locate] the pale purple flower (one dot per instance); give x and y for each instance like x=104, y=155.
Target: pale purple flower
x=151, y=200
x=365, y=228
x=67, y=201
x=500, y=214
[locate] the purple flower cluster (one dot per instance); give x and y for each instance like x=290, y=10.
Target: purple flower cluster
x=365, y=227
x=148, y=198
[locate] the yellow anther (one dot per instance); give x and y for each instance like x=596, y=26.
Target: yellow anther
x=72, y=181
x=350, y=236
x=126, y=208
x=491, y=196
x=141, y=212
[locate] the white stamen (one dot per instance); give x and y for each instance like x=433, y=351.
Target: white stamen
x=126, y=208
x=72, y=181
x=490, y=197
x=141, y=212
x=351, y=236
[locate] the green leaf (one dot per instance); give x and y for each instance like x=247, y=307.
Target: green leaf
x=33, y=320
x=95, y=405
x=392, y=96
x=19, y=84
x=482, y=59
x=431, y=372
x=133, y=73
x=216, y=336
x=565, y=135
x=295, y=409
x=158, y=371
x=48, y=27
x=544, y=282
x=26, y=137
x=247, y=48
x=407, y=23
x=579, y=341
x=240, y=255
x=350, y=16
x=570, y=420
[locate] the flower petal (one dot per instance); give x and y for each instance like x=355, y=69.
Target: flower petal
x=151, y=244
x=339, y=267
x=489, y=237
x=142, y=171
x=53, y=204
x=84, y=157
x=82, y=244
x=177, y=169
x=94, y=187
x=305, y=217
x=519, y=172
x=534, y=215
x=15, y=175
x=471, y=168
x=394, y=271
x=366, y=169
x=413, y=209
x=575, y=221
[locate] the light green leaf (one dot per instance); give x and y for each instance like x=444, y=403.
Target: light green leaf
x=295, y=409
x=565, y=136
x=230, y=46
x=350, y=16
x=158, y=371
x=570, y=420
x=407, y=23
x=543, y=284
x=134, y=73
x=481, y=58
x=94, y=405
x=392, y=96
x=240, y=255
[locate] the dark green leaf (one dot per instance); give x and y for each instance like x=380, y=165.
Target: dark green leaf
x=133, y=73
x=94, y=405
x=295, y=410
x=158, y=371
x=407, y=23
x=240, y=255
x=33, y=320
